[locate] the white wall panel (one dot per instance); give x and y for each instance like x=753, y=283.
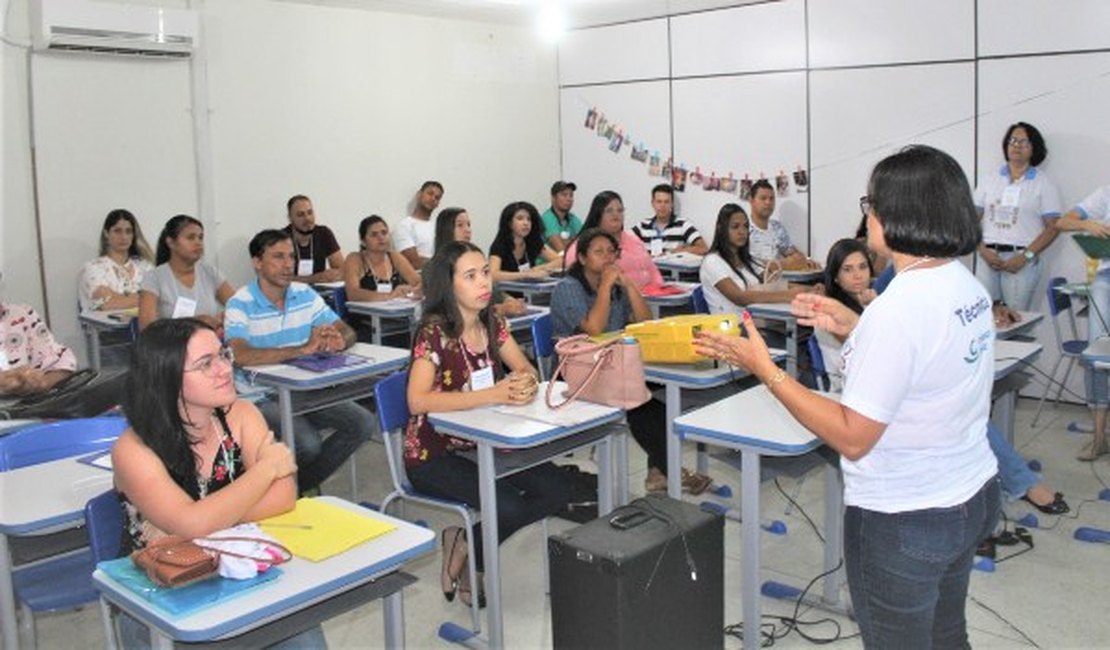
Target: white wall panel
x=614, y=53
x=770, y=136
x=1023, y=26
x=869, y=32
x=761, y=37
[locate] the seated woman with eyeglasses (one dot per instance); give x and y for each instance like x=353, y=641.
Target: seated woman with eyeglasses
x=196, y=459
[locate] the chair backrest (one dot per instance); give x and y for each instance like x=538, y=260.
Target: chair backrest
x=1058, y=301
x=61, y=439
x=817, y=362
x=391, y=395
x=543, y=341
x=339, y=297
x=701, y=306
x=104, y=524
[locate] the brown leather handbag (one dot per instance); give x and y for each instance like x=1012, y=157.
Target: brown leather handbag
x=173, y=561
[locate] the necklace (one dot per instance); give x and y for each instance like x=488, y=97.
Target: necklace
x=917, y=262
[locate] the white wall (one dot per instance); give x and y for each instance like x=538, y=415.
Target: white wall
x=354, y=108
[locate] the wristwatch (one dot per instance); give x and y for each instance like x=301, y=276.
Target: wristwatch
x=1030, y=255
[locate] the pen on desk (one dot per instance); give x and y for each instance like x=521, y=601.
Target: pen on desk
x=300, y=526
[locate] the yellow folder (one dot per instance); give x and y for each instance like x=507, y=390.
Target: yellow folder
x=316, y=530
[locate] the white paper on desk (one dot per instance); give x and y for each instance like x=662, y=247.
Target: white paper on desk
x=575, y=413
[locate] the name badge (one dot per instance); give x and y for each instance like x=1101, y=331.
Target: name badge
x=385, y=287
x=304, y=267
x=4, y=363
x=656, y=247
x=565, y=234
x=184, y=307
x=523, y=266
x=1011, y=195
x=481, y=378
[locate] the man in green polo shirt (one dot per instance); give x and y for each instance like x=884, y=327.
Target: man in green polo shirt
x=560, y=225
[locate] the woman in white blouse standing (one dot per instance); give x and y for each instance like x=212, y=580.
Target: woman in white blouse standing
x=112, y=281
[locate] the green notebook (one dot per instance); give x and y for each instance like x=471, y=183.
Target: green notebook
x=1095, y=247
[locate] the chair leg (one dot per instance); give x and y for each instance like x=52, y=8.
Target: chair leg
x=546, y=563
x=109, y=625
x=354, y=477
x=794, y=497
x=1047, y=390
x=1062, y=384
x=26, y=626
x=472, y=567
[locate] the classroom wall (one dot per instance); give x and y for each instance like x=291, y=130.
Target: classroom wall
x=833, y=86
x=353, y=108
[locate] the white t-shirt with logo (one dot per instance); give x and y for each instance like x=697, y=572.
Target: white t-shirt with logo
x=921, y=360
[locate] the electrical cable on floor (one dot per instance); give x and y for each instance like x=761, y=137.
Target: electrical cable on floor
x=1005, y=620
x=799, y=508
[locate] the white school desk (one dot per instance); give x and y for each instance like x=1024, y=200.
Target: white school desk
x=1029, y=320
x=1098, y=353
x=402, y=309
x=537, y=441
x=808, y=276
x=673, y=300
x=286, y=379
x=95, y=322
x=303, y=585
x=674, y=265
x=36, y=500
x=678, y=376
x=1009, y=357
x=531, y=287
x=525, y=320
x=756, y=424
x=780, y=311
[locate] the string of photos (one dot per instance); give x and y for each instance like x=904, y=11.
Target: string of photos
x=613, y=134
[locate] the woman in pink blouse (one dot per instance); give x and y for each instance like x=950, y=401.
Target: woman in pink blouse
x=607, y=213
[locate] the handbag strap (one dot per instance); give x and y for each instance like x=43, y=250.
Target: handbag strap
x=601, y=354
x=770, y=275
x=286, y=553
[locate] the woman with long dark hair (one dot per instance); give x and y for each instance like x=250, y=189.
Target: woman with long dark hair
x=182, y=284
x=452, y=224
x=112, y=280
x=375, y=272
x=457, y=359
x=607, y=213
x=518, y=250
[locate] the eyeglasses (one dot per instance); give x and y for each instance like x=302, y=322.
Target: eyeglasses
x=865, y=205
x=206, y=366
x=1018, y=143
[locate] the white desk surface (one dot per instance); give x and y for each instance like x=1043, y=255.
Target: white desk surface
x=810, y=275
x=753, y=418
x=111, y=319
x=524, y=426
x=700, y=375
x=526, y=319
x=1098, y=351
x=302, y=583
x=397, y=307
x=532, y=284
x=679, y=261
x=38, y=497
x=1029, y=320
x=776, y=310
x=381, y=359
x=1012, y=355
x=329, y=286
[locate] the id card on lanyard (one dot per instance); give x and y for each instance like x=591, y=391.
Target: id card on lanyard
x=304, y=267
x=184, y=307
x=384, y=286
x=656, y=246
x=481, y=378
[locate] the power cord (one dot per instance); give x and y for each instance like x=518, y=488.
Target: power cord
x=801, y=510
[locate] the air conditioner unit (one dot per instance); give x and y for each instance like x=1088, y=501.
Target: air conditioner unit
x=88, y=26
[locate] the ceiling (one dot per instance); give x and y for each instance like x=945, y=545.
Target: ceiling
x=579, y=13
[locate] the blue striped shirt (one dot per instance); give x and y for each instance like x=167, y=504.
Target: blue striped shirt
x=249, y=315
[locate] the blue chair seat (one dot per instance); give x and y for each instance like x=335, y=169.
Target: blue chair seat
x=62, y=583
x=1074, y=347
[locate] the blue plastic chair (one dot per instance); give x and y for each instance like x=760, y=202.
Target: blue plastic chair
x=697, y=297
x=1071, y=348
x=339, y=298
x=817, y=362
x=104, y=525
x=62, y=582
x=543, y=342
x=393, y=417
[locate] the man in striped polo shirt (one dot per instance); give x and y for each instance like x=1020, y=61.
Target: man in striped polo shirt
x=665, y=232
x=274, y=319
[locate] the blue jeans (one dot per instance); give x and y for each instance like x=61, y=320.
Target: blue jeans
x=1013, y=472
x=134, y=635
x=319, y=457
x=1098, y=395
x=1015, y=289
x=908, y=571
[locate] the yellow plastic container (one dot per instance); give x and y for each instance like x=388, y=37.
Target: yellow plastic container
x=671, y=340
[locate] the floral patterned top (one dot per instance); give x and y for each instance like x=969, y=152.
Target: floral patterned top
x=454, y=362
x=105, y=272
x=227, y=465
x=26, y=341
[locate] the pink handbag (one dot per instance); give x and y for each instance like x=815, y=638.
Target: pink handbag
x=610, y=373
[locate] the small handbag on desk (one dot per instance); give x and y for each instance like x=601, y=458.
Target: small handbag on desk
x=173, y=561
x=610, y=373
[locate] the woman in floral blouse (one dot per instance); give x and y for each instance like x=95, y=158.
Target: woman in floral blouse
x=112, y=280
x=457, y=360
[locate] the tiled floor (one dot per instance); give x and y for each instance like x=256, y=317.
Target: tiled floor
x=1051, y=597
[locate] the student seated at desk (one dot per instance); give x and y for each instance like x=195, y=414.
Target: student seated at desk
x=453, y=224
x=414, y=235
x=196, y=459
x=664, y=232
x=112, y=280
x=457, y=361
x=319, y=258
x=518, y=251
x=607, y=213
x=847, y=280
x=376, y=273
x=560, y=225
x=272, y=320
x=31, y=359
x=770, y=241
x=182, y=284
x=597, y=297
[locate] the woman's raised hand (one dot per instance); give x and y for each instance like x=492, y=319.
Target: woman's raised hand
x=823, y=312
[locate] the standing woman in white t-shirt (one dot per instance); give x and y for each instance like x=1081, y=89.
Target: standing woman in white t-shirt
x=920, y=481
x=1019, y=206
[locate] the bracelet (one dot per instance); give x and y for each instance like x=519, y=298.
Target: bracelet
x=776, y=378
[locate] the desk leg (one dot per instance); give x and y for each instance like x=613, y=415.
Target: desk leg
x=654, y=307
x=159, y=640
x=92, y=345
x=393, y=611
x=1003, y=416
x=605, y=474
x=285, y=405
x=487, y=488
x=7, y=597
x=834, y=534
x=620, y=455
x=674, y=445
x=792, y=347
x=749, y=540
x=376, y=323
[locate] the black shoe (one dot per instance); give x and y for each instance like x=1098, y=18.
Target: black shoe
x=1057, y=507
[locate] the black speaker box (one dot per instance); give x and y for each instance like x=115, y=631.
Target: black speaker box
x=648, y=575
